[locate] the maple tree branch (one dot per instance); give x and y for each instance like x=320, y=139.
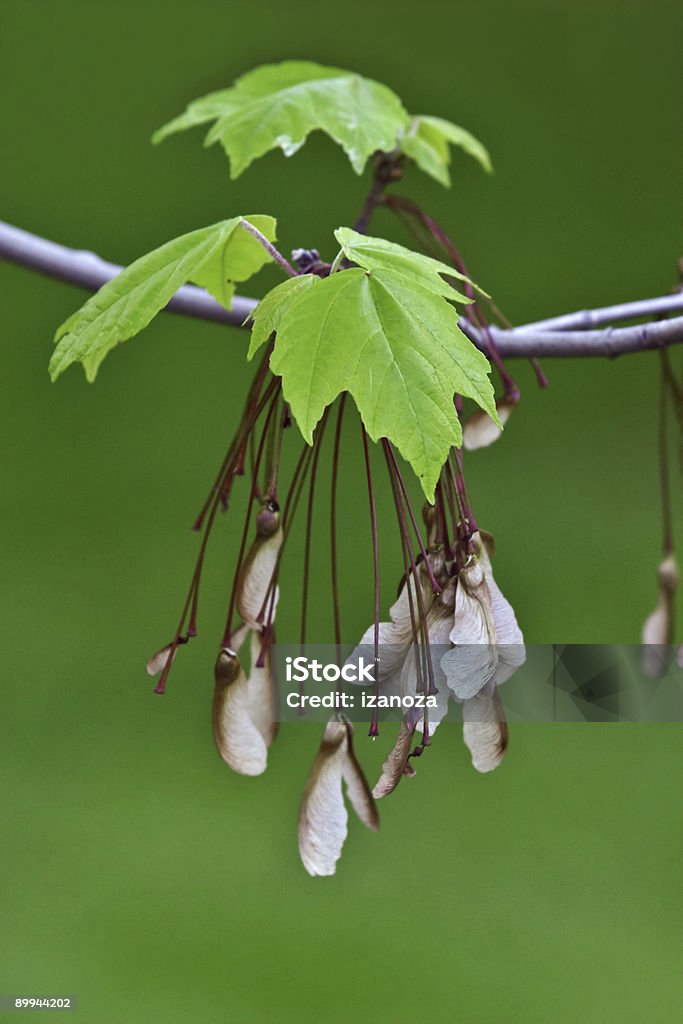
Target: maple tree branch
x=80, y=267
x=610, y=342
x=562, y=337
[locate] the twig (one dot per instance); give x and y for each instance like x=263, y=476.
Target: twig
x=387, y=169
x=587, y=318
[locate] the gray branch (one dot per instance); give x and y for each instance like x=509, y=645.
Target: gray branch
x=563, y=336
x=525, y=342
x=587, y=318
x=77, y=266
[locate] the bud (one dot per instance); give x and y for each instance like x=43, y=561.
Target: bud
x=267, y=521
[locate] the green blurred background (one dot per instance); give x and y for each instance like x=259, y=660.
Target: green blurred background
x=137, y=872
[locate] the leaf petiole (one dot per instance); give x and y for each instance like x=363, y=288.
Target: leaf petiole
x=269, y=247
x=336, y=262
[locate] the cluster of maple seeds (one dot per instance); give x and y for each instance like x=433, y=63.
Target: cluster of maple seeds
x=447, y=601
x=450, y=633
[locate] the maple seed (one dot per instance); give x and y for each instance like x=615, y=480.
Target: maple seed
x=396, y=764
x=162, y=659
x=322, y=816
x=237, y=737
x=159, y=659
x=479, y=431
x=257, y=591
x=485, y=731
x=657, y=651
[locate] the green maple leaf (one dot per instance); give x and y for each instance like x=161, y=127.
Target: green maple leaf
x=428, y=143
x=378, y=253
x=278, y=105
x=268, y=315
x=395, y=346
x=214, y=258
